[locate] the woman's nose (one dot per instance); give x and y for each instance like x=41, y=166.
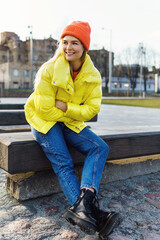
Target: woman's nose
x=69, y=46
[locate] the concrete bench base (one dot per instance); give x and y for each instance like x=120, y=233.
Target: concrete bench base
x=31, y=185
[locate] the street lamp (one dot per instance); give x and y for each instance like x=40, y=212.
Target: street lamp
x=110, y=63
x=31, y=54
x=110, y=60
x=142, y=51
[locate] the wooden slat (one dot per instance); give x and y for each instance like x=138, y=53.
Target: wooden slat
x=19, y=152
x=17, y=117
x=12, y=117
x=15, y=128
x=8, y=106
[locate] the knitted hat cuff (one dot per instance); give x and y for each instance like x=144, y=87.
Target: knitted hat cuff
x=80, y=30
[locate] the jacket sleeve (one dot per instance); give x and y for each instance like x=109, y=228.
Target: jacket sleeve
x=44, y=97
x=89, y=108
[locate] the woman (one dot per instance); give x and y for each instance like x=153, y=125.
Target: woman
x=67, y=93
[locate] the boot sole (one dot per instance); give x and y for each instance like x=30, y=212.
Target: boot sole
x=85, y=225
x=114, y=220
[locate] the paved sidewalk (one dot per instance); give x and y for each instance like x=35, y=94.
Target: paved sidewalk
x=137, y=199
x=115, y=119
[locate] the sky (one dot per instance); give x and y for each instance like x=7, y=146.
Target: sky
x=115, y=24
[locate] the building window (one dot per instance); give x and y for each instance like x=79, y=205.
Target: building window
x=26, y=85
x=19, y=58
x=26, y=73
x=48, y=48
x=15, y=84
x=26, y=58
x=34, y=73
x=15, y=72
x=3, y=58
x=35, y=57
x=40, y=58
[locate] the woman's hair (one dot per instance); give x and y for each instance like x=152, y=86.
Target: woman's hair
x=84, y=53
x=57, y=53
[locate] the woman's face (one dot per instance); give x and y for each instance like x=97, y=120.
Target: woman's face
x=72, y=48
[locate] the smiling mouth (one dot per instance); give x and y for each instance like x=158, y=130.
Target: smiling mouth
x=69, y=54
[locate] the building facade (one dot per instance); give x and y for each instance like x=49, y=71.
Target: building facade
x=20, y=60
x=123, y=84
x=133, y=78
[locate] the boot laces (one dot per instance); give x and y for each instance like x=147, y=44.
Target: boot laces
x=100, y=214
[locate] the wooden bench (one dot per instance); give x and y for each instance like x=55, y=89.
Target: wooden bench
x=30, y=174
x=20, y=152
x=14, y=120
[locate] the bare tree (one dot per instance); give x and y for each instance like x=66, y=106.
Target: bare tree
x=129, y=66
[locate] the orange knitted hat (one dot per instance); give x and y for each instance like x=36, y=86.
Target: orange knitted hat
x=80, y=30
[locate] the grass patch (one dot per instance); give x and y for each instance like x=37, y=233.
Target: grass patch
x=148, y=103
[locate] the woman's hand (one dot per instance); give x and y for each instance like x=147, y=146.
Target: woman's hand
x=61, y=105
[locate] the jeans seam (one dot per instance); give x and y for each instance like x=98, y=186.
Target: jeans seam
x=95, y=162
x=69, y=184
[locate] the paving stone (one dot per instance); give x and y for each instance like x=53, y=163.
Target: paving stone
x=154, y=203
x=118, y=237
x=67, y=234
x=91, y=237
x=50, y=211
x=23, y=211
x=153, y=186
x=46, y=202
x=140, y=207
x=5, y=216
x=155, y=214
x=152, y=195
x=43, y=228
x=114, y=204
x=17, y=225
x=151, y=236
x=154, y=227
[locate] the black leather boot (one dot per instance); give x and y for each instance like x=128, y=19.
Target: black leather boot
x=106, y=222
x=81, y=212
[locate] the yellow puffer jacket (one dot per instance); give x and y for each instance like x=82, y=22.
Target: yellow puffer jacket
x=54, y=81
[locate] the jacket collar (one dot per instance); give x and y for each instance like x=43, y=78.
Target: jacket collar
x=88, y=71
x=62, y=76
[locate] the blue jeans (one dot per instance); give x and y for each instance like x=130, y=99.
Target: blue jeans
x=93, y=147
